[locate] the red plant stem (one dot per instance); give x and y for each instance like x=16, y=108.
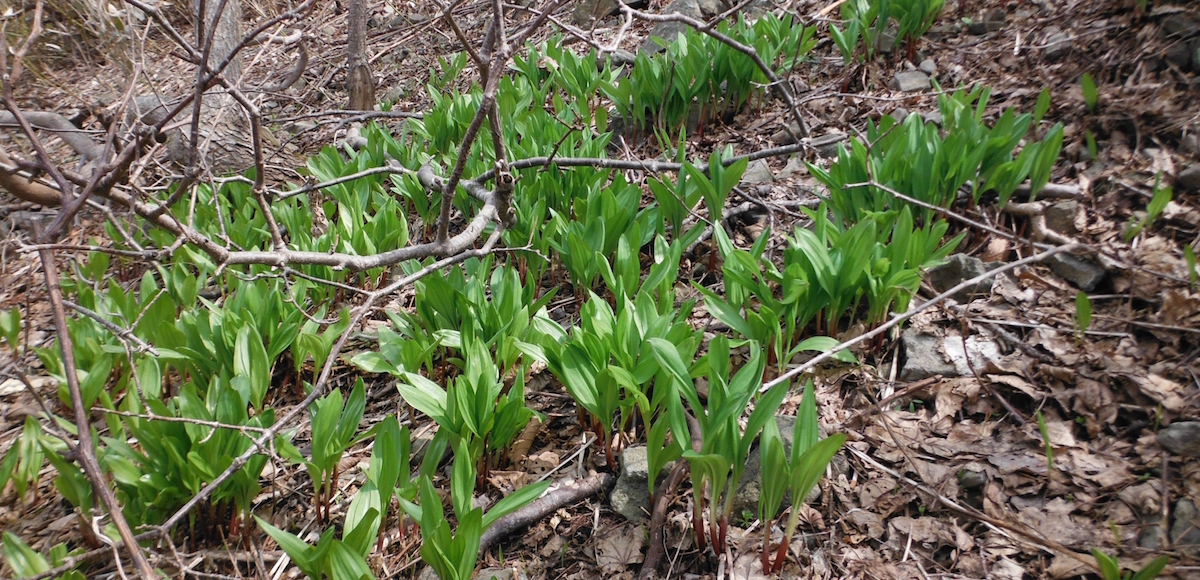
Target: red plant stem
x=781, y=554
x=698, y=517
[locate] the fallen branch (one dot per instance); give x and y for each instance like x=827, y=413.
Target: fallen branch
x=544, y=506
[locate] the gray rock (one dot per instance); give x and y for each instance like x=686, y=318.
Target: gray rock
x=1181, y=438
x=928, y=67
x=668, y=31
x=299, y=127
x=617, y=58
x=923, y=356
x=1153, y=534
x=1179, y=26
x=972, y=479
x=991, y=22
x=1178, y=55
x=927, y=355
x=959, y=267
x=710, y=8
x=786, y=136
x=631, y=496
x=1058, y=45
x=588, y=10
x=1060, y=217
x=395, y=94
x=1189, y=178
x=910, y=81
x=795, y=165
x=899, y=114
x=934, y=117
x=500, y=574
x=1185, y=532
x=827, y=145
x=758, y=172
x=1083, y=272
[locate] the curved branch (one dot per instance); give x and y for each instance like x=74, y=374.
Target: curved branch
x=544, y=506
x=60, y=126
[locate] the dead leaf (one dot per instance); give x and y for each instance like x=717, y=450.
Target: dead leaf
x=616, y=550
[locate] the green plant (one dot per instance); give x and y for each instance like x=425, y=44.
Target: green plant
x=725, y=446
x=1048, y=447
x=333, y=429
x=929, y=164
x=23, y=460
x=796, y=472
x=10, y=327
x=1110, y=569
x=474, y=408
x=1189, y=256
x=25, y=561
x=606, y=363
x=698, y=78
x=1090, y=139
x=345, y=559
x=1158, y=202
x=1091, y=96
x=452, y=553
x=870, y=21
x=1083, y=313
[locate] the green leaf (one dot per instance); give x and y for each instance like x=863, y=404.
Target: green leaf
x=1152, y=569
x=811, y=466
x=10, y=327
x=1109, y=569
x=23, y=560
x=425, y=396
x=298, y=550
x=1042, y=106
x=515, y=501
x=1083, y=312
x=1091, y=96
x=826, y=344
x=346, y=564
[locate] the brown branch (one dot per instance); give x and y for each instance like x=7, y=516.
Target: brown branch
x=549, y=503
x=86, y=447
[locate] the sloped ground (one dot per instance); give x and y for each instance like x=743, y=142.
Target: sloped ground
x=947, y=472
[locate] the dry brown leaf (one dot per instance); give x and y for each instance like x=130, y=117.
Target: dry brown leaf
x=617, y=549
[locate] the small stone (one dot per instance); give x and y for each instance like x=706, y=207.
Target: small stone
x=934, y=117
x=794, y=166
x=669, y=31
x=299, y=127
x=786, y=136
x=395, y=94
x=710, y=8
x=758, y=172
x=910, y=81
x=1179, y=26
x=1058, y=45
x=1084, y=273
x=827, y=145
x=1181, y=438
x=587, y=10
x=956, y=269
x=1060, y=217
x=928, y=67
x=970, y=479
x=1185, y=532
x=1153, y=534
x=992, y=21
x=899, y=114
x=631, y=496
x=500, y=574
x=923, y=356
x=1189, y=178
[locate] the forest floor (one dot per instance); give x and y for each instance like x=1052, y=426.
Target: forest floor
x=1013, y=462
